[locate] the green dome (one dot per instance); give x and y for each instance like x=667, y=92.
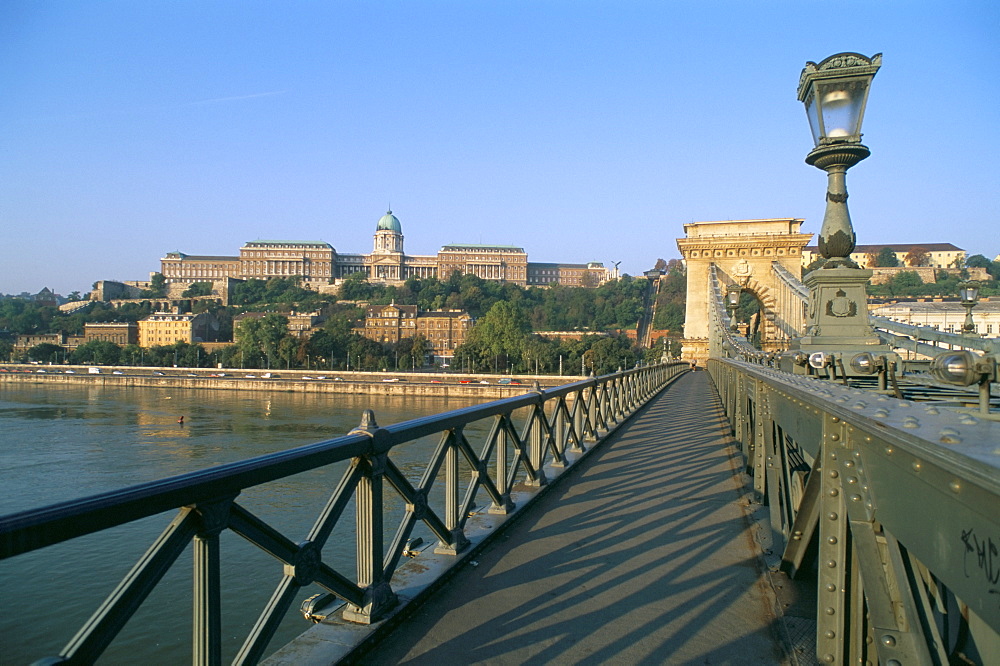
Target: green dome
x=389, y=222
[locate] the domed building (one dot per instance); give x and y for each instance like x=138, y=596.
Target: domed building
x=388, y=235
x=319, y=266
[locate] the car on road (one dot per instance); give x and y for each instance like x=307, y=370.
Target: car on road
x=508, y=380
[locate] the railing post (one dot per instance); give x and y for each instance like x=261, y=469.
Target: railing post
x=503, y=452
x=592, y=406
x=579, y=407
x=452, y=504
x=379, y=596
x=536, y=452
x=207, y=624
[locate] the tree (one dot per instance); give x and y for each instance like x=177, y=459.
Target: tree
x=355, y=287
x=979, y=261
x=198, y=289
x=886, y=258
x=259, y=337
x=97, y=352
x=45, y=352
x=660, y=265
x=158, y=285
x=917, y=256
x=676, y=266
x=498, y=335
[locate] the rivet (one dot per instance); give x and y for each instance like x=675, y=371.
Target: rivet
x=911, y=422
x=950, y=436
x=955, y=486
x=893, y=662
x=889, y=450
x=830, y=587
x=889, y=641
x=852, y=479
x=848, y=463
x=855, y=498
x=832, y=564
x=836, y=419
x=830, y=610
x=832, y=516
x=828, y=658
x=829, y=634
x=916, y=465
x=833, y=456
x=835, y=437
x=834, y=474
x=833, y=493
x=832, y=540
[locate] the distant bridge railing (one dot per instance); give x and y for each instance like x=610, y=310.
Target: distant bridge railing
x=914, y=338
x=893, y=505
x=723, y=338
x=556, y=425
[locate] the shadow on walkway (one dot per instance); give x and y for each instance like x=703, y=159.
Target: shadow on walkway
x=643, y=556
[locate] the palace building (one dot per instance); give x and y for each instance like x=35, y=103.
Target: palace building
x=318, y=264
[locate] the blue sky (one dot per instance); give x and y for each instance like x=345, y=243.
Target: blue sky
x=581, y=131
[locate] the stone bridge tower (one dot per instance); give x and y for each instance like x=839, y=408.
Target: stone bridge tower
x=743, y=252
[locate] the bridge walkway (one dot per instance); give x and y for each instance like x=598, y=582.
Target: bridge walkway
x=647, y=557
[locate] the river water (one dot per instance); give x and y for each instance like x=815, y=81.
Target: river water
x=63, y=442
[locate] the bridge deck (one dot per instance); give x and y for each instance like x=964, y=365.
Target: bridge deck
x=646, y=557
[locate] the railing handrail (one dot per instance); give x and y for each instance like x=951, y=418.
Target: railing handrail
x=584, y=410
x=717, y=310
x=86, y=515
x=916, y=332
x=793, y=283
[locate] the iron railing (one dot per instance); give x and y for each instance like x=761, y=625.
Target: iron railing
x=894, y=506
x=555, y=426
x=909, y=336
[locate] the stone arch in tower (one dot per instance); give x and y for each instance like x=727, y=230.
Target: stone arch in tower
x=743, y=252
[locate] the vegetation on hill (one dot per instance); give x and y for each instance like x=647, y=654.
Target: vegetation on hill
x=266, y=342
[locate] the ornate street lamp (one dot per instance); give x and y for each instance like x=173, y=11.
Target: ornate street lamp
x=968, y=292
x=835, y=93
x=732, y=302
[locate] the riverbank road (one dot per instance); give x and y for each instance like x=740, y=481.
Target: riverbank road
x=644, y=555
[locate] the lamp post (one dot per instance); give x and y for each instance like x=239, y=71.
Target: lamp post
x=968, y=292
x=835, y=93
x=732, y=302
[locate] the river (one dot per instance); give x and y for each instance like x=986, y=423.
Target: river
x=63, y=442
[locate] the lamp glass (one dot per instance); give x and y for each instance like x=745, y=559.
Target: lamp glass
x=840, y=103
x=734, y=297
x=968, y=292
